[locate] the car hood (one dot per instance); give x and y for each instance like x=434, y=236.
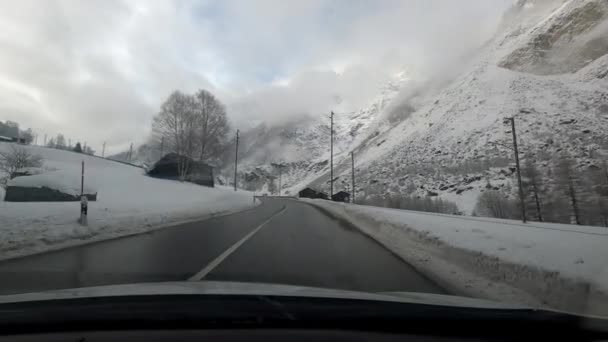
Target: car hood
x=253, y=289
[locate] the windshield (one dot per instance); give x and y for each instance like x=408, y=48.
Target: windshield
x=436, y=147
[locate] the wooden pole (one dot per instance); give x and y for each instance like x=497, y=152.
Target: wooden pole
x=331, y=157
x=82, y=180
x=352, y=159
x=519, y=182
x=236, y=158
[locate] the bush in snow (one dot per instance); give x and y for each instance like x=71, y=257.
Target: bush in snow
x=492, y=203
x=426, y=204
x=17, y=158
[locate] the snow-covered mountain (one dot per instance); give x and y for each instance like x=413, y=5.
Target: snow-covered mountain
x=546, y=66
x=300, y=147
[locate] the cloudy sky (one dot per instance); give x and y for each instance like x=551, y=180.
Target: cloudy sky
x=98, y=70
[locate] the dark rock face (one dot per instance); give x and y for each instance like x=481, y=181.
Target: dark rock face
x=43, y=194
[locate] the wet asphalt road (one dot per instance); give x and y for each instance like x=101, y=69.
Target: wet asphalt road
x=298, y=245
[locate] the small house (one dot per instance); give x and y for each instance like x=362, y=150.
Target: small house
x=167, y=168
x=322, y=195
x=307, y=193
x=341, y=196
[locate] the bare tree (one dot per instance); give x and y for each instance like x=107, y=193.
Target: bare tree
x=213, y=124
x=28, y=136
x=532, y=187
x=51, y=143
x=60, y=142
x=568, y=182
x=494, y=204
x=17, y=158
x=177, y=124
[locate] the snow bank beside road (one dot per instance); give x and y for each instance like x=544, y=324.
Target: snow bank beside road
x=128, y=203
x=561, y=266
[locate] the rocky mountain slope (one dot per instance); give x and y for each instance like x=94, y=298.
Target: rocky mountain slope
x=546, y=66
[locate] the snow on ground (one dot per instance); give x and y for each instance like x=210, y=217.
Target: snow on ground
x=66, y=181
x=540, y=264
x=128, y=202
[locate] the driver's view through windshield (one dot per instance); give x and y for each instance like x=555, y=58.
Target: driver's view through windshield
x=443, y=153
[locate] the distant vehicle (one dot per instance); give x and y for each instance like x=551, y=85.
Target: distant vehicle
x=238, y=311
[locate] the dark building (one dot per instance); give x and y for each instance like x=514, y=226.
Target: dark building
x=322, y=195
x=307, y=193
x=341, y=196
x=167, y=168
x=312, y=193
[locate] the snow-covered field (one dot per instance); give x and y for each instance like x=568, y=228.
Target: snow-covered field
x=539, y=264
x=128, y=202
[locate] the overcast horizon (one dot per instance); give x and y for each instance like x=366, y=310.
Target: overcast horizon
x=99, y=70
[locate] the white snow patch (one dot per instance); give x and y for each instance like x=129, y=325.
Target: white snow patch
x=66, y=182
x=128, y=202
x=556, y=265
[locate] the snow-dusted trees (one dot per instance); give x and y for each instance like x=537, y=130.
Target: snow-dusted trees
x=568, y=182
x=176, y=123
x=193, y=126
x=17, y=158
x=28, y=136
x=60, y=142
x=533, y=189
x=492, y=203
x=213, y=124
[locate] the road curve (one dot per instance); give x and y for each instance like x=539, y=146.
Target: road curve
x=281, y=241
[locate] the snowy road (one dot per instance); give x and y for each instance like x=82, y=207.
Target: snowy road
x=280, y=241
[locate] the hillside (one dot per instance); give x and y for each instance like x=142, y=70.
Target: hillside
x=546, y=66
x=128, y=202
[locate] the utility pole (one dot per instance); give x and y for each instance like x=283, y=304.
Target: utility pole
x=280, y=178
x=130, y=152
x=84, y=148
x=82, y=180
x=352, y=159
x=236, y=158
x=331, y=157
x=103, y=150
x=519, y=183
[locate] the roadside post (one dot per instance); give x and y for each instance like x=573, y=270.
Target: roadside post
x=84, y=203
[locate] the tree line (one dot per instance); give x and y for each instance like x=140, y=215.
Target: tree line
x=191, y=125
x=565, y=193
x=61, y=143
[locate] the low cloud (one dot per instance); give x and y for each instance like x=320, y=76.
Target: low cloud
x=98, y=71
